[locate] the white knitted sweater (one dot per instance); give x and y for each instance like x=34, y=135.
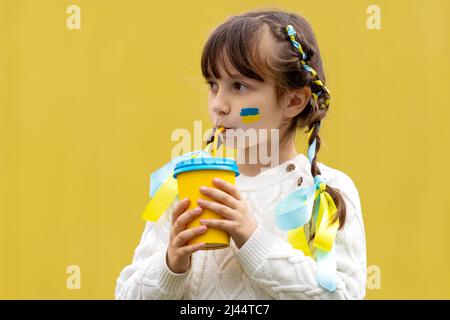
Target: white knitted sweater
x=266, y=266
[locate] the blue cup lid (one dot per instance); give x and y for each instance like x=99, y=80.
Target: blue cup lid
x=206, y=163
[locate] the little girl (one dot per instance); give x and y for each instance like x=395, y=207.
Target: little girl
x=269, y=61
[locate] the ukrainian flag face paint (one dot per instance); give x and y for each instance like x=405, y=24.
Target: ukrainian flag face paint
x=250, y=115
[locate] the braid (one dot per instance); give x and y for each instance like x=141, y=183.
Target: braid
x=315, y=136
x=318, y=107
x=334, y=193
x=320, y=92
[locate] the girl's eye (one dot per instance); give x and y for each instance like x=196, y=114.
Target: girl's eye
x=212, y=85
x=236, y=86
x=239, y=86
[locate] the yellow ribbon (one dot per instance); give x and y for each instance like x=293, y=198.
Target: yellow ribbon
x=325, y=232
x=168, y=190
x=161, y=200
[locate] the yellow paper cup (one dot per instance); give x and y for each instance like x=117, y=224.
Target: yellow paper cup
x=191, y=174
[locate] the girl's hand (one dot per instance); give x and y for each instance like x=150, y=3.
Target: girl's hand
x=238, y=221
x=178, y=253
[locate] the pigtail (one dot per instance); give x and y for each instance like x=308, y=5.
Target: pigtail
x=334, y=192
x=316, y=109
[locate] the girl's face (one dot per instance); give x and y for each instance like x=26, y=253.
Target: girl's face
x=230, y=94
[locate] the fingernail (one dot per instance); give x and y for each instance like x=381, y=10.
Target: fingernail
x=216, y=180
x=203, y=188
x=202, y=221
x=198, y=209
x=203, y=228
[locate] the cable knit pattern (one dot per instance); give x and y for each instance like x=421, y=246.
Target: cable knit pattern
x=266, y=266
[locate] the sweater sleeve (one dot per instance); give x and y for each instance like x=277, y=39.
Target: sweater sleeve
x=286, y=273
x=148, y=276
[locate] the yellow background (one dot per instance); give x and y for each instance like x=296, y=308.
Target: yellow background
x=86, y=115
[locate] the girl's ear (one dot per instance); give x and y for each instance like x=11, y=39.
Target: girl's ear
x=295, y=101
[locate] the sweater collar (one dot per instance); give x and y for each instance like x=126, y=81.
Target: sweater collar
x=294, y=166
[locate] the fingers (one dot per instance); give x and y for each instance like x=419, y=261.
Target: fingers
x=219, y=208
x=219, y=196
x=186, y=235
x=180, y=207
x=221, y=224
x=228, y=188
x=187, y=250
x=185, y=218
x=179, y=235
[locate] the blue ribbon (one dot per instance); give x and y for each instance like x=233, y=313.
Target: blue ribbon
x=295, y=211
x=326, y=268
x=158, y=177
x=326, y=261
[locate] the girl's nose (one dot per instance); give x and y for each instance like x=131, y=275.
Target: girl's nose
x=221, y=109
x=221, y=106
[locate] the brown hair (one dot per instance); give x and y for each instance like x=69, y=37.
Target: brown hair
x=238, y=40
